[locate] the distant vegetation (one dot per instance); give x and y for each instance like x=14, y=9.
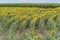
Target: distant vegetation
x=45, y=5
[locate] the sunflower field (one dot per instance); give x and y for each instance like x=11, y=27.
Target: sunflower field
x=29, y=23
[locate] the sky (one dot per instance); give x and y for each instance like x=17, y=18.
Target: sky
x=29, y=1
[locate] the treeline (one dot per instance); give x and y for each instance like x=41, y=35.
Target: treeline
x=45, y=5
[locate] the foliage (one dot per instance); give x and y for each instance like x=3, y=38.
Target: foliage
x=21, y=18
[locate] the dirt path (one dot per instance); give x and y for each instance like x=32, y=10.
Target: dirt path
x=17, y=34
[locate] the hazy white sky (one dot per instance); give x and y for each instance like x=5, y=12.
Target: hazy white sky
x=29, y=1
